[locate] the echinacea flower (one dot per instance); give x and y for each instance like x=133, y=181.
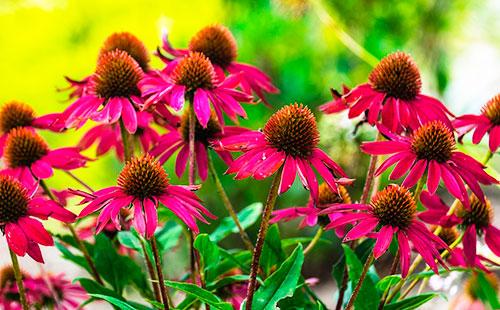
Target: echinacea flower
x=112, y=93
x=123, y=41
x=142, y=185
x=476, y=220
x=218, y=44
x=393, y=97
x=178, y=139
x=289, y=140
x=326, y=198
x=487, y=122
x=27, y=156
x=338, y=103
x=193, y=78
x=18, y=210
x=57, y=292
x=9, y=292
x=391, y=213
x=108, y=136
x=431, y=148
x=16, y=114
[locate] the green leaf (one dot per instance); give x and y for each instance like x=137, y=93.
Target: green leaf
x=123, y=305
x=411, y=302
x=201, y=294
x=387, y=282
x=129, y=240
x=272, y=252
x=286, y=243
x=67, y=254
x=248, y=216
x=209, y=252
x=227, y=281
x=368, y=297
x=92, y=287
x=231, y=260
x=281, y=283
x=168, y=236
x=487, y=293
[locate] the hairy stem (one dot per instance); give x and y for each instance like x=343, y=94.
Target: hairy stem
x=229, y=206
x=366, y=266
x=19, y=280
x=161, y=280
x=264, y=225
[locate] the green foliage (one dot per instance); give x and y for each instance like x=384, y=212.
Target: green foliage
x=248, y=216
x=200, y=294
x=272, y=252
x=411, y=302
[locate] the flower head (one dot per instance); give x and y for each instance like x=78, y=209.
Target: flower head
x=18, y=207
x=487, y=122
x=114, y=87
x=289, y=140
x=28, y=156
x=392, y=96
x=392, y=212
x=431, y=149
x=125, y=41
x=218, y=44
x=143, y=184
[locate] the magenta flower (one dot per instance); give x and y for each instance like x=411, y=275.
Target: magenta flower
x=487, y=122
x=289, y=140
x=112, y=93
x=218, y=44
x=18, y=210
x=143, y=185
x=477, y=220
x=393, y=97
x=193, y=77
x=393, y=210
x=108, y=136
x=431, y=149
x=178, y=139
x=28, y=157
x=59, y=293
x=311, y=213
x=338, y=103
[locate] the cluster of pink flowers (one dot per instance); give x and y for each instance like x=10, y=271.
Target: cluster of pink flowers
x=180, y=110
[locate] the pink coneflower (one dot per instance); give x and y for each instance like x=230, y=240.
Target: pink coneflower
x=143, y=185
x=108, y=136
x=476, y=220
x=431, y=149
x=9, y=292
x=59, y=293
x=393, y=96
x=218, y=44
x=193, y=77
x=28, y=156
x=16, y=114
x=487, y=122
x=112, y=93
x=393, y=210
x=310, y=213
x=123, y=41
x=338, y=103
x=178, y=139
x=18, y=210
x=289, y=140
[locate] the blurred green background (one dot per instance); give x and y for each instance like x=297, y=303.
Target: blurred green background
x=453, y=42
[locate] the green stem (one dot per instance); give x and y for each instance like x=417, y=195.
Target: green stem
x=152, y=273
x=192, y=153
x=264, y=225
x=229, y=206
x=79, y=242
x=394, y=266
x=19, y=280
x=314, y=240
x=159, y=271
x=128, y=148
x=488, y=156
x=419, y=188
x=366, y=267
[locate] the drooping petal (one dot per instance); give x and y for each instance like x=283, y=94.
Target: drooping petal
x=470, y=243
x=384, y=239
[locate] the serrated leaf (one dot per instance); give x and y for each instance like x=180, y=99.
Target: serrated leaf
x=411, y=303
x=282, y=283
x=201, y=294
x=248, y=216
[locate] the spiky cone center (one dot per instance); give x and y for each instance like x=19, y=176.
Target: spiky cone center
x=201, y=134
x=433, y=141
x=293, y=130
x=447, y=234
x=14, y=200
x=479, y=213
x=396, y=75
x=23, y=147
x=473, y=288
x=327, y=197
x=194, y=71
x=143, y=177
x=217, y=43
x=394, y=206
x=492, y=110
x=117, y=75
x=125, y=41
x=15, y=114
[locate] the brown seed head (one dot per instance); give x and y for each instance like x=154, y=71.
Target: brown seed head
x=143, y=177
x=23, y=147
x=433, y=141
x=217, y=43
x=394, y=206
